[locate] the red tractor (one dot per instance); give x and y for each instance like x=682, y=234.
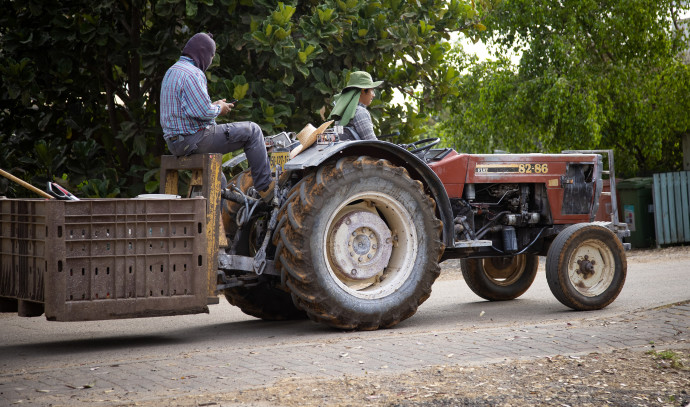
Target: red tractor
x=352, y=236
x=356, y=230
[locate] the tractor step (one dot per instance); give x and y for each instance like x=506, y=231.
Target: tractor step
x=467, y=244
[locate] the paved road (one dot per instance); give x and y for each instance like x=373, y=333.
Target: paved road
x=124, y=361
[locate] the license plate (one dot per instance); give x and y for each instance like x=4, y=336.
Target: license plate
x=278, y=158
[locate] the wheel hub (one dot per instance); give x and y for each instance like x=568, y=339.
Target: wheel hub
x=586, y=268
x=360, y=245
x=591, y=268
x=500, y=267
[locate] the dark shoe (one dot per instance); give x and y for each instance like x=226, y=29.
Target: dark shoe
x=267, y=194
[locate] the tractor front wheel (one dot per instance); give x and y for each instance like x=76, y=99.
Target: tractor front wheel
x=586, y=267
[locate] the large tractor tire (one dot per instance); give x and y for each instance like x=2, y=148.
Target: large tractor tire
x=265, y=300
x=500, y=278
x=586, y=267
x=360, y=244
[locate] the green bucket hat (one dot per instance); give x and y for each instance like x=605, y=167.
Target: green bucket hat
x=362, y=80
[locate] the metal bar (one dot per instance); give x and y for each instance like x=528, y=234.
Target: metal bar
x=664, y=208
x=465, y=244
x=671, y=214
x=658, y=217
x=612, y=188
x=236, y=262
x=685, y=202
x=678, y=215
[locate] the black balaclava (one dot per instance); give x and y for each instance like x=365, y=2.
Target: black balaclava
x=201, y=49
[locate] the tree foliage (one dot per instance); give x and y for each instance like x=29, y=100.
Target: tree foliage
x=593, y=74
x=81, y=80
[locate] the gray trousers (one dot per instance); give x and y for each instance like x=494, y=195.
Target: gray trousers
x=228, y=137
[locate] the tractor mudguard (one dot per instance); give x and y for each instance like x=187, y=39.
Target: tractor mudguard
x=318, y=154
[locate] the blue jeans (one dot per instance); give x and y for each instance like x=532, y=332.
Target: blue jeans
x=228, y=137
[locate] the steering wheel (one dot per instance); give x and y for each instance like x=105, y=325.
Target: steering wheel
x=425, y=144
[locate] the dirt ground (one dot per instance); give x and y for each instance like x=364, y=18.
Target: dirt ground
x=620, y=378
x=654, y=376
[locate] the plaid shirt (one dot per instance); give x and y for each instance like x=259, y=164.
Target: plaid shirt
x=362, y=123
x=185, y=105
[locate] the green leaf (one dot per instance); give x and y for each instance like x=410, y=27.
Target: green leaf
x=191, y=8
x=260, y=38
x=325, y=15
x=289, y=78
x=152, y=186
x=282, y=15
x=323, y=88
x=240, y=91
x=303, y=55
x=44, y=121
x=280, y=34
x=425, y=28
x=303, y=70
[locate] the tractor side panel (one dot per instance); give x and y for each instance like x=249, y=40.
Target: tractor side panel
x=570, y=197
x=452, y=171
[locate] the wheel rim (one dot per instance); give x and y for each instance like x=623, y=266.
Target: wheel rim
x=591, y=268
x=371, y=245
x=504, y=271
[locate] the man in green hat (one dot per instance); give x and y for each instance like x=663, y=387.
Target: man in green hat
x=351, y=107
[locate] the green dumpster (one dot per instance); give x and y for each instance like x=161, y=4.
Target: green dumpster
x=636, y=209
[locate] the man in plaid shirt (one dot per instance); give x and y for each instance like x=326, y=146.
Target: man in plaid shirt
x=188, y=115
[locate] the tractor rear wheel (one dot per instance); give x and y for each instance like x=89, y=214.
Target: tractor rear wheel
x=586, y=267
x=360, y=243
x=265, y=300
x=500, y=278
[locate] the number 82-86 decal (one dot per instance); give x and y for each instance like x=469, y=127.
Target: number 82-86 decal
x=523, y=168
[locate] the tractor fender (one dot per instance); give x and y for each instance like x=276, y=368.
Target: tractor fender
x=320, y=153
